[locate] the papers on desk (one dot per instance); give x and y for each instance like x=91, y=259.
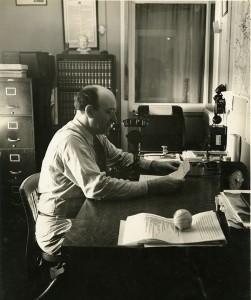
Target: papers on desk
x=234, y=204
x=179, y=174
x=161, y=157
x=191, y=156
x=149, y=229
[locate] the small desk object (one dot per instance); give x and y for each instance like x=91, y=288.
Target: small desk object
x=104, y=269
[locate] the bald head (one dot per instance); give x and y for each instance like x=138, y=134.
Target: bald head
x=94, y=95
x=104, y=94
x=96, y=106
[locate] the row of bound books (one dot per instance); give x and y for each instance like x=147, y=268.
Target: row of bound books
x=70, y=80
x=76, y=73
x=66, y=106
x=87, y=65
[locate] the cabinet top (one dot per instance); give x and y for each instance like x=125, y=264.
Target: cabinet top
x=85, y=56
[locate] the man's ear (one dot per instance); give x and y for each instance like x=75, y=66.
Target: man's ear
x=89, y=111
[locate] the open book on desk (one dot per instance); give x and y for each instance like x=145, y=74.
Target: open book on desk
x=150, y=229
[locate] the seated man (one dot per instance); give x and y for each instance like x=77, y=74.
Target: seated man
x=74, y=168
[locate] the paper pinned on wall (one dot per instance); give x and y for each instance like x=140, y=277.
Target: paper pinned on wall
x=247, y=129
x=229, y=97
x=234, y=147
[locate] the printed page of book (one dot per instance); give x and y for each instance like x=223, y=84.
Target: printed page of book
x=205, y=227
x=148, y=228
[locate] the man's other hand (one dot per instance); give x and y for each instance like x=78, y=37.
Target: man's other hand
x=164, y=184
x=164, y=167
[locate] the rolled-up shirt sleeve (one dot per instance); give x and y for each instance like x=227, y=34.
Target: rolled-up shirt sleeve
x=81, y=168
x=119, y=158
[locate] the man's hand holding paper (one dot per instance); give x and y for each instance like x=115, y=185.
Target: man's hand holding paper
x=182, y=170
x=164, y=167
x=168, y=183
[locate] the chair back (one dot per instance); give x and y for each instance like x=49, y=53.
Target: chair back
x=29, y=195
x=163, y=129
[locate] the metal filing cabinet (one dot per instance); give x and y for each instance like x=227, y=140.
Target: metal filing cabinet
x=17, y=145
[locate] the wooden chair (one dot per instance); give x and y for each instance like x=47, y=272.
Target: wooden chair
x=35, y=257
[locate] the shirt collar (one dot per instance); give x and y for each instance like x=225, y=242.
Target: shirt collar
x=83, y=130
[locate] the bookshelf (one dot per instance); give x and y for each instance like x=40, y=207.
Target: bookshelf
x=79, y=70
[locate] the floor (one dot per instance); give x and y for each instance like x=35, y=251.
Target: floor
x=13, y=282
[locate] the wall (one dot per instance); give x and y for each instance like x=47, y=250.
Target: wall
x=40, y=28
x=234, y=70
x=31, y=28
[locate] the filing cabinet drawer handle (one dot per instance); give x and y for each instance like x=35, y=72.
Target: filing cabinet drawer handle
x=11, y=106
x=15, y=173
x=13, y=141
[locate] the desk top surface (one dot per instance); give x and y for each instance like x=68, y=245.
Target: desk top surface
x=97, y=223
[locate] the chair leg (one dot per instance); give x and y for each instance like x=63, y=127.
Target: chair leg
x=55, y=274
x=47, y=290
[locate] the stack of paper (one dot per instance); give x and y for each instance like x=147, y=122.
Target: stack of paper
x=13, y=70
x=191, y=156
x=236, y=206
x=162, y=157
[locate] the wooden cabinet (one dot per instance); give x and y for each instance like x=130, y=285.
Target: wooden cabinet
x=76, y=71
x=17, y=144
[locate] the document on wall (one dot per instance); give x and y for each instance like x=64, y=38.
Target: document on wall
x=145, y=228
x=80, y=17
x=184, y=167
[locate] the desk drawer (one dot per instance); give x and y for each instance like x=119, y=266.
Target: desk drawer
x=15, y=97
x=17, y=165
x=16, y=132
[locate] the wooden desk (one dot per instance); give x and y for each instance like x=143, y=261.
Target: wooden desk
x=97, y=224
x=113, y=272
